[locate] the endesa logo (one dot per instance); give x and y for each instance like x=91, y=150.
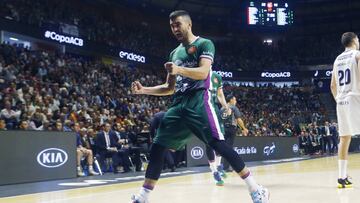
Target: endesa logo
x=52, y=157
x=276, y=75
x=61, y=38
x=224, y=74
x=132, y=57
x=328, y=73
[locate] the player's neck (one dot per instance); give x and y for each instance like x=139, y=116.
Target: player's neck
x=350, y=48
x=189, y=39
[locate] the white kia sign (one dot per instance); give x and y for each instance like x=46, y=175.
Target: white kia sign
x=64, y=39
x=132, y=57
x=52, y=157
x=197, y=152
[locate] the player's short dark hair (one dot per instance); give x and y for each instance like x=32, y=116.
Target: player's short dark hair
x=173, y=15
x=347, y=38
x=229, y=97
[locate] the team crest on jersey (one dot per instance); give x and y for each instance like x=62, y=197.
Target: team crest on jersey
x=191, y=50
x=178, y=62
x=216, y=81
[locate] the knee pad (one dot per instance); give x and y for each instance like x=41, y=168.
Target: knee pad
x=157, y=155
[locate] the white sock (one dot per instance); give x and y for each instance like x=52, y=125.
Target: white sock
x=78, y=168
x=343, y=169
x=144, y=193
x=250, y=182
x=213, y=167
x=218, y=160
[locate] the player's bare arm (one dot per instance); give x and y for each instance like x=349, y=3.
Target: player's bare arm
x=197, y=73
x=221, y=98
x=333, y=85
x=168, y=88
x=244, y=130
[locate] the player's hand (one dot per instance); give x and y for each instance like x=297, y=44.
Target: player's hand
x=245, y=132
x=137, y=88
x=113, y=149
x=171, y=68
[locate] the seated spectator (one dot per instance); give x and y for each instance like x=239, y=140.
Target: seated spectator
x=2, y=124
x=59, y=126
x=81, y=152
x=314, y=146
x=108, y=146
x=66, y=126
x=128, y=147
x=10, y=116
x=304, y=142
x=91, y=135
x=24, y=125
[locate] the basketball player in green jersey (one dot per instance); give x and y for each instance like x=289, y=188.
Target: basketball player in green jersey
x=192, y=110
x=217, y=96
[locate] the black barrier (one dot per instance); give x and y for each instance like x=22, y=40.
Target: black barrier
x=29, y=156
x=355, y=144
x=250, y=149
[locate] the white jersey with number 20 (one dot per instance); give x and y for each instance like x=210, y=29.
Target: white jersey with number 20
x=347, y=78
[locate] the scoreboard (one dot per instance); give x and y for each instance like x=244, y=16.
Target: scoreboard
x=269, y=13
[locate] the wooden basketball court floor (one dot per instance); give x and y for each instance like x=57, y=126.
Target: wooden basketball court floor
x=308, y=181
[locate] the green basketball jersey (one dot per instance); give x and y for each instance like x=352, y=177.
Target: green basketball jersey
x=216, y=83
x=189, y=56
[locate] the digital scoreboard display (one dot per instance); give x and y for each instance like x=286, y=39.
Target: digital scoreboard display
x=269, y=13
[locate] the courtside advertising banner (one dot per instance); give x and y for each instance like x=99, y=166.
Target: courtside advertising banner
x=30, y=156
x=249, y=148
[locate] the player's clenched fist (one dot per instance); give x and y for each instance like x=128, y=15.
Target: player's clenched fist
x=136, y=87
x=171, y=68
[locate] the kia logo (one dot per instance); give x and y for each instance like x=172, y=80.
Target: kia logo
x=52, y=157
x=295, y=148
x=197, y=152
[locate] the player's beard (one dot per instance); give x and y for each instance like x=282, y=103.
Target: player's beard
x=181, y=36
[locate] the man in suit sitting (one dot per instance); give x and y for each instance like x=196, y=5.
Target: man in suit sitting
x=303, y=142
x=128, y=146
x=108, y=145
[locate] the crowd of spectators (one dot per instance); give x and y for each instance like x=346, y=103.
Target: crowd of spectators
x=111, y=25
x=43, y=90
x=273, y=111
x=319, y=138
